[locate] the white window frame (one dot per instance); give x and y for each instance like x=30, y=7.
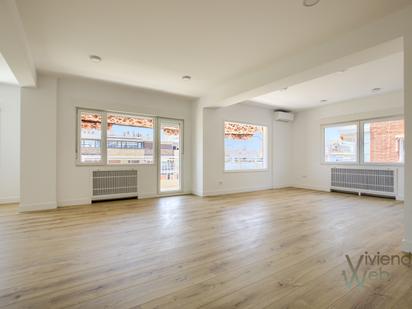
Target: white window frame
x=360, y=141
x=181, y=159
x=103, y=143
x=103, y=134
x=265, y=150
x=340, y=124
x=362, y=144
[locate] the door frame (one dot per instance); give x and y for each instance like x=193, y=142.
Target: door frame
x=159, y=156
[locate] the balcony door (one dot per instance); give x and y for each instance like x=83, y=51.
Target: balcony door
x=170, y=158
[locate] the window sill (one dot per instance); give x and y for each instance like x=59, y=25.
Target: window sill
x=113, y=165
x=340, y=163
x=364, y=164
x=246, y=171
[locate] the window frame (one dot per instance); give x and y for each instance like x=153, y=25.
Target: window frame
x=360, y=141
x=103, y=146
x=102, y=137
x=340, y=124
x=181, y=159
x=362, y=144
x=265, y=145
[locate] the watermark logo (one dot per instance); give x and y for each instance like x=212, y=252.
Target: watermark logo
x=371, y=267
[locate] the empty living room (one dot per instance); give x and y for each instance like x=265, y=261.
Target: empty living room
x=206, y=154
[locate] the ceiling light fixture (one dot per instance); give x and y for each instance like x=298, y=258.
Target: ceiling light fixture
x=186, y=77
x=95, y=58
x=309, y=3
x=377, y=89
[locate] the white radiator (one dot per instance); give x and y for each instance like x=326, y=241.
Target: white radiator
x=361, y=180
x=114, y=184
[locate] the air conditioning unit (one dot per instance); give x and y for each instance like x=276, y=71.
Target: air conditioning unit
x=284, y=116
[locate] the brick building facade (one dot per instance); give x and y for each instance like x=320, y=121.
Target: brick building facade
x=386, y=141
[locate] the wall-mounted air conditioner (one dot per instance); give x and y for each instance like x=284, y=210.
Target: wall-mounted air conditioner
x=283, y=116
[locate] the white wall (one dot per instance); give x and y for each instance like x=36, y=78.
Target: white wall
x=38, y=146
x=74, y=182
x=282, y=154
x=308, y=171
x=216, y=181
x=9, y=144
x=50, y=176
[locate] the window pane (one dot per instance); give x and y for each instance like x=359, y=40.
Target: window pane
x=170, y=135
x=341, y=143
x=90, y=137
x=245, y=146
x=129, y=139
x=383, y=141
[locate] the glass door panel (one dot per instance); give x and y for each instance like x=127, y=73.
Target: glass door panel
x=170, y=144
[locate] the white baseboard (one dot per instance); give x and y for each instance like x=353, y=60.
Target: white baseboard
x=406, y=246
x=9, y=200
x=197, y=193
x=309, y=187
x=37, y=206
x=67, y=203
x=283, y=186
x=239, y=190
x=400, y=198
x=143, y=196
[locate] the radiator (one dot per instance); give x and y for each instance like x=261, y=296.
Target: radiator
x=114, y=184
x=368, y=181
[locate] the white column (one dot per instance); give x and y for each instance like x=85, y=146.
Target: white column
x=38, y=146
x=197, y=142
x=407, y=242
x=9, y=144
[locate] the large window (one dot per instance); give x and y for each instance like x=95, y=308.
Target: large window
x=112, y=138
x=341, y=143
x=383, y=141
x=129, y=139
x=379, y=141
x=245, y=146
x=90, y=137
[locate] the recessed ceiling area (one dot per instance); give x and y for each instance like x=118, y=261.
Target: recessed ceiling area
x=153, y=43
x=386, y=74
x=6, y=75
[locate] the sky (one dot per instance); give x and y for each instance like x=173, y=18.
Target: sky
x=253, y=145
x=130, y=131
x=333, y=133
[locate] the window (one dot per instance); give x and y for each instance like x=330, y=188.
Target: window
x=129, y=139
x=383, y=141
x=112, y=138
x=90, y=137
x=245, y=146
x=377, y=141
x=341, y=143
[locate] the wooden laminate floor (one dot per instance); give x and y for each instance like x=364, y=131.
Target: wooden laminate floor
x=271, y=249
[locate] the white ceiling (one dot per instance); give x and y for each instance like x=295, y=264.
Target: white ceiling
x=385, y=73
x=152, y=43
x=6, y=75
